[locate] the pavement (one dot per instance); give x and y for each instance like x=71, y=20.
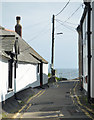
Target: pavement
x=56, y=101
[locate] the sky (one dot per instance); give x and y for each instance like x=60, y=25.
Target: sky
x=36, y=21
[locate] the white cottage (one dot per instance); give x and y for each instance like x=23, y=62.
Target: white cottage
x=86, y=50
x=22, y=66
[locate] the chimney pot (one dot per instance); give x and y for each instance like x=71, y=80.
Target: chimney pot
x=18, y=18
x=18, y=27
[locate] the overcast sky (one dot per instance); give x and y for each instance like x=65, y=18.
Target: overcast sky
x=37, y=24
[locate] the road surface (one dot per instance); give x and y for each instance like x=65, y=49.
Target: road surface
x=53, y=103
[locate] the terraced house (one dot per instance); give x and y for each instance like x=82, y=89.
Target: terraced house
x=20, y=65
x=86, y=49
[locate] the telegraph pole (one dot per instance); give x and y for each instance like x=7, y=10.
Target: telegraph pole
x=52, y=60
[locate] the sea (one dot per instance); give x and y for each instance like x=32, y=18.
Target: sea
x=67, y=73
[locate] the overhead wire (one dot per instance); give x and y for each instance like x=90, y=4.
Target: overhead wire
x=66, y=22
x=35, y=25
x=42, y=31
x=73, y=13
x=35, y=38
x=68, y=27
x=62, y=8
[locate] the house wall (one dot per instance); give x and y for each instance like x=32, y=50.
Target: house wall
x=4, y=80
x=37, y=82
x=85, y=58
x=26, y=76
x=45, y=73
x=80, y=55
x=92, y=51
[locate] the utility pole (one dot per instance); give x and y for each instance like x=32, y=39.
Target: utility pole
x=52, y=60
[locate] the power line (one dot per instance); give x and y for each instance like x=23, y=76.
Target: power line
x=72, y=23
x=66, y=22
x=34, y=38
x=42, y=31
x=68, y=27
x=73, y=13
x=62, y=9
x=35, y=25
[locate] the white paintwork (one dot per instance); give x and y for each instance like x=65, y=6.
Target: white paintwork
x=45, y=73
x=26, y=76
x=4, y=80
x=85, y=59
x=85, y=49
x=92, y=26
x=92, y=51
x=37, y=82
x=92, y=75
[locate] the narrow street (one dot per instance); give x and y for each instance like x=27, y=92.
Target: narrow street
x=54, y=102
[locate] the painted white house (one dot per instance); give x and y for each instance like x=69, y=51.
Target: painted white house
x=20, y=65
x=86, y=49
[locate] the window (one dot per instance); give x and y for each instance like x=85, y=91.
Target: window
x=10, y=74
x=38, y=68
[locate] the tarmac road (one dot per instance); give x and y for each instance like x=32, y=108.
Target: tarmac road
x=53, y=103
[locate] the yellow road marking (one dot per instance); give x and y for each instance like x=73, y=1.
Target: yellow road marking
x=87, y=114
x=81, y=103
x=41, y=93
x=28, y=107
x=27, y=103
x=33, y=96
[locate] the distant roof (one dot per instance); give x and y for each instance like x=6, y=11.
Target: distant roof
x=27, y=53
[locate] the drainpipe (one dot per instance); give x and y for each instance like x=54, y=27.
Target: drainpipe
x=89, y=49
x=15, y=65
x=41, y=73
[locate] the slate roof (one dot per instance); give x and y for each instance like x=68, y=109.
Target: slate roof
x=7, y=40
x=27, y=53
x=26, y=48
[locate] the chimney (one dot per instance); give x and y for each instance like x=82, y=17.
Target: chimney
x=18, y=27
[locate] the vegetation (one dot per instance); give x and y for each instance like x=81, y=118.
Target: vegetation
x=60, y=79
x=49, y=75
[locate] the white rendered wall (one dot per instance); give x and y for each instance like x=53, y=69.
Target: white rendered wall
x=37, y=82
x=92, y=51
x=26, y=75
x=45, y=73
x=85, y=59
x=4, y=80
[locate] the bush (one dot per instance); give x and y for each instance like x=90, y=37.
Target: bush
x=49, y=74
x=60, y=79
